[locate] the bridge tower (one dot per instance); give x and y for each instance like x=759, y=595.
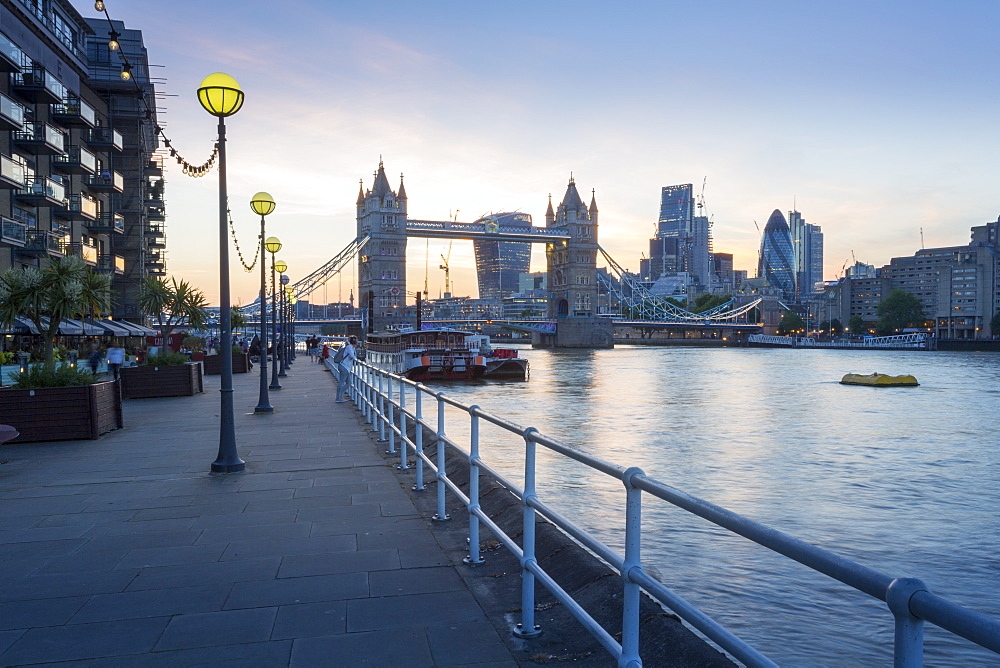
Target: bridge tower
x=572, y=276
x=382, y=262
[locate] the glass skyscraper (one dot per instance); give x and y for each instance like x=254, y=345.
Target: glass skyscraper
x=500, y=263
x=676, y=211
x=777, y=259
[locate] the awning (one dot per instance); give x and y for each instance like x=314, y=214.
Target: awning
x=136, y=330
x=20, y=326
x=78, y=328
x=110, y=327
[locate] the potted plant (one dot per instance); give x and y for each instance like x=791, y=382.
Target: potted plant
x=172, y=304
x=165, y=375
x=241, y=362
x=47, y=402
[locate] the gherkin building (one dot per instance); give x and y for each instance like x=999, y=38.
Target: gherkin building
x=777, y=262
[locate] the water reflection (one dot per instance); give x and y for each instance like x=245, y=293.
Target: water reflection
x=903, y=480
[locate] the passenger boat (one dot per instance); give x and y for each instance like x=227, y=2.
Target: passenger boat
x=878, y=380
x=443, y=354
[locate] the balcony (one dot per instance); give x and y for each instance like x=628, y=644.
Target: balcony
x=41, y=243
x=86, y=252
x=156, y=271
x=154, y=231
x=107, y=223
x=41, y=191
x=154, y=167
x=111, y=264
x=105, y=182
x=13, y=232
x=106, y=138
x=11, y=173
x=74, y=112
x=40, y=139
x=77, y=160
x=156, y=243
x=78, y=207
x=157, y=213
x=35, y=84
x=11, y=113
x=12, y=59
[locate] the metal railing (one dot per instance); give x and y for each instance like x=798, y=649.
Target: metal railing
x=392, y=405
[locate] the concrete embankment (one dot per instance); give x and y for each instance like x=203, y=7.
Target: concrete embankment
x=496, y=584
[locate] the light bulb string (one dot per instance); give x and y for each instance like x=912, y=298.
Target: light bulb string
x=187, y=168
x=232, y=230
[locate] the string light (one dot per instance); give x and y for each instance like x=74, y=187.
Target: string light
x=126, y=72
x=99, y=5
x=113, y=44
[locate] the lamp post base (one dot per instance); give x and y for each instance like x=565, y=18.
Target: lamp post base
x=228, y=468
x=263, y=410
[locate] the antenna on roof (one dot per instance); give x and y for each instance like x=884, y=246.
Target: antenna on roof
x=921, y=238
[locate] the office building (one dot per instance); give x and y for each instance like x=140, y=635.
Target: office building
x=777, y=260
x=807, y=245
x=500, y=263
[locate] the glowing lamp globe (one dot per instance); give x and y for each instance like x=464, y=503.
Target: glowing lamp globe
x=280, y=266
x=220, y=95
x=272, y=245
x=262, y=204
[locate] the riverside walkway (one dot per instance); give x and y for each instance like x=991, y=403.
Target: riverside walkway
x=125, y=551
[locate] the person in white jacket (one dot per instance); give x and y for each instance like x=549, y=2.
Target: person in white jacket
x=344, y=368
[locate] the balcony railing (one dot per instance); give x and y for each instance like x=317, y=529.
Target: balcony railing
x=42, y=191
x=40, y=242
x=74, y=112
x=156, y=213
x=77, y=160
x=114, y=264
x=37, y=85
x=154, y=231
x=79, y=207
x=106, y=182
x=107, y=222
x=106, y=138
x=11, y=113
x=40, y=139
x=12, y=59
x=86, y=252
x=11, y=173
x=13, y=232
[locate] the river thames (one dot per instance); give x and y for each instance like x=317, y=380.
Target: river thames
x=902, y=480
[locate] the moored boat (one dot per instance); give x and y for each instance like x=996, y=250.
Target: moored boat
x=443, y=354
x=879, y=380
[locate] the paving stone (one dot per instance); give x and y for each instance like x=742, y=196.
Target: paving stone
x=398, y=612
x=380, y=648
x=286, y=591
x=235, y=656
x=245, y=519
x=210, y=629
x=310, y=619
x=171, y=556
x=84, y=641
x=347, y=562
x=43, y=612
x=186, y=575
x=288, y=546
x=464, y=644
x=414, y=581
x=8, y=638
x=152, y=603
x=80, y=563
x=61, y=586
x=246, y=533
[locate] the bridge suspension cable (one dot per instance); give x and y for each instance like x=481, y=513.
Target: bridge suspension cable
x=644, y=305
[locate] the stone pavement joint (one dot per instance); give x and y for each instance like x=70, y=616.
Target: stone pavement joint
x=125, y=551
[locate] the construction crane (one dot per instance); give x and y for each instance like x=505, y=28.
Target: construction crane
x=447, y=272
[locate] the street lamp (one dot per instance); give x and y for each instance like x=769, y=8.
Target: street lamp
x=276, y=267
x=221, y=96
x=284, y=330
x=263, y=204
x=289, y=341
x=293, y=301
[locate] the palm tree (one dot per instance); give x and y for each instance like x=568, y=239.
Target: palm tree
x=172, y=304
x=66, y=288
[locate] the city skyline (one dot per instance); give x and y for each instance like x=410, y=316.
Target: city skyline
x=833, y=120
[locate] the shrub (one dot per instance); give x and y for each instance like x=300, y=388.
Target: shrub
x=237, y=350
x=167, y=359
x=38, y=375
x=195, y=343
x=8, y=358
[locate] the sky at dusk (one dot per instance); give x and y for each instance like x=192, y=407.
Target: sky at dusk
x=874, y=119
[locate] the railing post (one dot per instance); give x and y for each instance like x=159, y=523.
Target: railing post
x=527, y=628
x=390, y=420
x=404, y=465
x=474, y=558
x=367, y=393
x=908, y=651
x=442, y=514
x=633, y=562
x=381, y=409
x=418, y=485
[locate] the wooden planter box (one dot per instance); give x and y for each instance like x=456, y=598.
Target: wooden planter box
x=62, y=413
x=213, y=364
x=142, y=382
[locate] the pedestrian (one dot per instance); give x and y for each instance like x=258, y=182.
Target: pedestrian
x=116, y=357
x=94, y=359
x=345, y=364
x=255, y=347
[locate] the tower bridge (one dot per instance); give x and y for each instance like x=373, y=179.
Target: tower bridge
x=570, y=236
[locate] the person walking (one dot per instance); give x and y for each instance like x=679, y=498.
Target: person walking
x=94, y=358
x=345, y=364
x=116, y=357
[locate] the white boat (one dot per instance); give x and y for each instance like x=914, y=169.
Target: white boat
x=443, y=354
